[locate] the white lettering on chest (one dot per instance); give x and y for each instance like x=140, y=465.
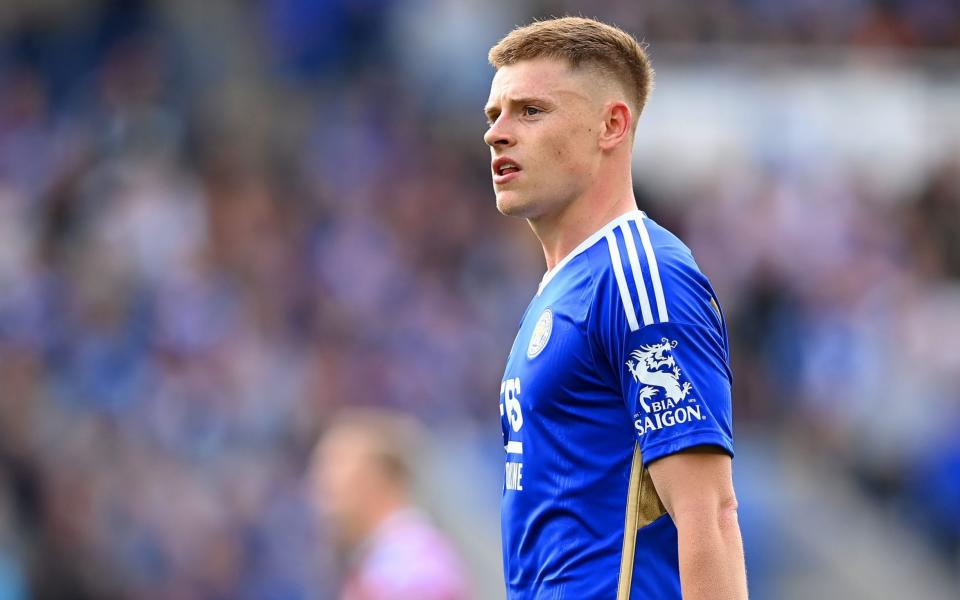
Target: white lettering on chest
x=514, y=473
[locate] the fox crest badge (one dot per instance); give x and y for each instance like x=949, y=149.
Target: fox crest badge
x=541, y=334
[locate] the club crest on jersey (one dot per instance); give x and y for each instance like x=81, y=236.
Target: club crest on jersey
x=663, y=393
x=541, y=334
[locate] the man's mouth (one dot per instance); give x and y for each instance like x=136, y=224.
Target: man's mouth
x=504, y=169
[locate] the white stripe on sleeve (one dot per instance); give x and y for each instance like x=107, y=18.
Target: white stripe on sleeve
x=654, y=271
x=637, y=274
x=617, y=263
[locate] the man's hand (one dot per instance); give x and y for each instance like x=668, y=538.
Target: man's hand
x=696, y=487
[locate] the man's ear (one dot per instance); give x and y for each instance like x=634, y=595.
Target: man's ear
x=617, y=123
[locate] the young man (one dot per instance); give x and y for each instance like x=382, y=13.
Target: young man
x=615, y=405
x=360, y=476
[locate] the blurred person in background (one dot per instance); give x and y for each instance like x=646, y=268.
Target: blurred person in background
x=616, y=413
x=362, y=480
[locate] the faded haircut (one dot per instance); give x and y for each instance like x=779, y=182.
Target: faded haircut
x=582, y=43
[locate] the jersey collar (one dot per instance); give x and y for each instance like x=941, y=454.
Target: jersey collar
x=587, y=243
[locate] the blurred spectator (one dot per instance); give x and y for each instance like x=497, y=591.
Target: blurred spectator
x=361, y=478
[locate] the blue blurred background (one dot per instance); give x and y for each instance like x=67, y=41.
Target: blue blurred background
x=220, y=221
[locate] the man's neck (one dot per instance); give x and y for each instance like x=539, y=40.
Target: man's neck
x=561, y=233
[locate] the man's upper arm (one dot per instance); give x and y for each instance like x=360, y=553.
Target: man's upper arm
x=695, y=484
x=696, y=487
x=676, y=388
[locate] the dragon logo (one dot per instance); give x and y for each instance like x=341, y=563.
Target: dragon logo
x=654, y=366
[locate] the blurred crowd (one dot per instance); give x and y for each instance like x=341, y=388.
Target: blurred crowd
x=221, y=222
x=905, y=23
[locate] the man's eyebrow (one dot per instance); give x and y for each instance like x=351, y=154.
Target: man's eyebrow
x=492, y=109
x=530, y=100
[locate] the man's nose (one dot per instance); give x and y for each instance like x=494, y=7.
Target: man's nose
x=499, y=135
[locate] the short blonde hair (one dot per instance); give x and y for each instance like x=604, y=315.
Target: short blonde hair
x=582, y=42
x=393, y=438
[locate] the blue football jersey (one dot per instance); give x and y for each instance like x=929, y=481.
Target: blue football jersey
x=622, y=358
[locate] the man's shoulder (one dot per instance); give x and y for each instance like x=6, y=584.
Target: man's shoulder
x=638, y=268
x=635, y=242
x=633, y=270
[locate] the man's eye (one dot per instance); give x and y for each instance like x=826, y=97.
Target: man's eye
x=531, y=111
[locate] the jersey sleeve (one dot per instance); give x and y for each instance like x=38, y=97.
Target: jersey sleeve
x=666, y=353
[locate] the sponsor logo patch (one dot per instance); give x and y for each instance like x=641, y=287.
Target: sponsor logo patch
x=665, y=395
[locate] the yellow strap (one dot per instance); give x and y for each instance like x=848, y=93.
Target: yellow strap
x=630, y=526
x=716, y=307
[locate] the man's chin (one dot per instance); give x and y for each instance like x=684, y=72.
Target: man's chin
x=512, y=205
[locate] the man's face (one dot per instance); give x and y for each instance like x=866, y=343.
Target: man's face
x=344, y=479
x=543, y=133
